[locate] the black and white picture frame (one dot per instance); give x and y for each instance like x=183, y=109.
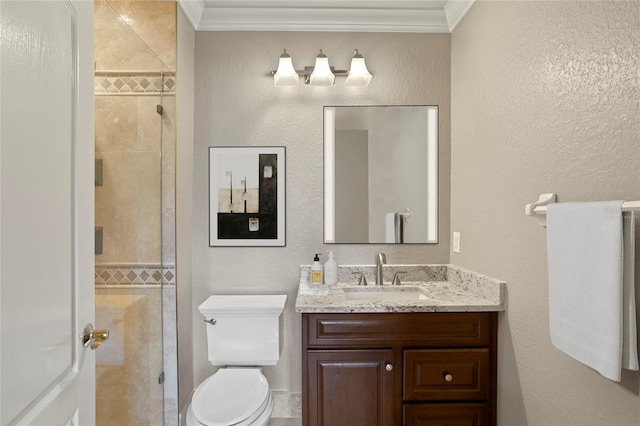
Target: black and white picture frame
x=247, y=196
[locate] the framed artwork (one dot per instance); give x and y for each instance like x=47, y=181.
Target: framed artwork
x=247, y=196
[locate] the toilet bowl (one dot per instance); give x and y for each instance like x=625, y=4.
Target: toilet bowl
x=232, y=397
x=243, y=334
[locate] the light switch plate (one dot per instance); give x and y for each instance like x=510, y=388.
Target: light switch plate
x=456, y=242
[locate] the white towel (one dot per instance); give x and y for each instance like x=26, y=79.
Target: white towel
x=584, y=246
x=629, y=325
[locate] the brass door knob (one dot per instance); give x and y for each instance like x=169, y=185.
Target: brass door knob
x=447, y=377
x=388, y=367
x=93, y=338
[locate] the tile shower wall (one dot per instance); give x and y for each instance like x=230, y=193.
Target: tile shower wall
x=128, y=136
x=128, y=392
x=154, y=22
x=134, y=143
x=135, y=275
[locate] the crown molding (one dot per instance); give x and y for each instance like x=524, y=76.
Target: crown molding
x=408, y=16
x=193, y=11
x=323, y=19
x=455, y=11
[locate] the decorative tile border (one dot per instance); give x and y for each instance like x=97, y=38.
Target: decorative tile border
x=134, y=82
x=134, y=274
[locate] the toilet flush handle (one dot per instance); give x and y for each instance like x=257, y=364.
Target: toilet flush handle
x=211, y=321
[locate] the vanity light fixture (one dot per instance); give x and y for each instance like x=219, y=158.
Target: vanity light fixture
x=286, y=75
x=322, y=74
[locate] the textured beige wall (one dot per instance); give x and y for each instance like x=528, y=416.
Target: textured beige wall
x=184, y=198
x=237, y=104
x=544, y=99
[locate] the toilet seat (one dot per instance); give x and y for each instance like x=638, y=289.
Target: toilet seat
x=260, y=417
x=261, y=420
x=232, y=396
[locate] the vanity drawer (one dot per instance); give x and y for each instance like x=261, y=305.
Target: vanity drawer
x=445, y=414
x=433, y=329
x=442, y=374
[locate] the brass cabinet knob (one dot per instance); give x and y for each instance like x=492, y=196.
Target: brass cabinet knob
x=447, y=377
x=388, y=367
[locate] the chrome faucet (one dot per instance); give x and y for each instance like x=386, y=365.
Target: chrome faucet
x=381, y=259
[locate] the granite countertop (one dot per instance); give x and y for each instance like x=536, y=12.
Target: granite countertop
x=444, y=288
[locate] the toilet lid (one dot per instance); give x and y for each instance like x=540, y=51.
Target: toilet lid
x=230, y=396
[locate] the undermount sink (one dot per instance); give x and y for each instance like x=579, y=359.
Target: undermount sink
x=384, y=293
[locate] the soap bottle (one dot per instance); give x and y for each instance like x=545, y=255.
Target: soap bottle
x=330, y=270
x=316, y=270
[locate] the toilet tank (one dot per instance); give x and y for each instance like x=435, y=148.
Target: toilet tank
x=243, y=329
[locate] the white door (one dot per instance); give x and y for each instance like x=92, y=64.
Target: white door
x=46, y=199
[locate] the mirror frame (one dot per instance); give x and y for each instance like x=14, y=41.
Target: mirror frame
x=329, y=171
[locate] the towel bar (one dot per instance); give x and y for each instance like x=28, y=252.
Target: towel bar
x=539, y=208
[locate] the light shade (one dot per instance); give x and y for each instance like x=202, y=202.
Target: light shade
x=322, y=74
x=358, y=73
x=286, y=75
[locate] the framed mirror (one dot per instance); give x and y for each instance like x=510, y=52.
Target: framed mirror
x=381, y=174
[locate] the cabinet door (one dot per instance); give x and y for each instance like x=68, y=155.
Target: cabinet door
x=350, y=387
x=445, y=415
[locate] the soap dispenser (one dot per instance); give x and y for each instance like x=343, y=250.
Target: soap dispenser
x=330, y=270
x=316, y=270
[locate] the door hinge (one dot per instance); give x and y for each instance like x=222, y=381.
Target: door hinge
x=159, y=109
x=161, y=378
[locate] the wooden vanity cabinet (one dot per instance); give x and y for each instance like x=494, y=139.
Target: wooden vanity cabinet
x=387, y=369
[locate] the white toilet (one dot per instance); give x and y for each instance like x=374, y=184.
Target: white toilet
x=243, y=333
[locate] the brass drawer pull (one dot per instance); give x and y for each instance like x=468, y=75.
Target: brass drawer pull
x=447, y=377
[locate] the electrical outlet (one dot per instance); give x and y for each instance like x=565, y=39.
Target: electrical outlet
x=456, y=242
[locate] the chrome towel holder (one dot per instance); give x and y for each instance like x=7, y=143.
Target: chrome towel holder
x=539, y=208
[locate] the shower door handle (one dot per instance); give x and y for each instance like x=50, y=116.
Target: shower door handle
x=93, y=338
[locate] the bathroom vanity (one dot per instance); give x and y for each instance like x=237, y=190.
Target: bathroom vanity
x=420, y=353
